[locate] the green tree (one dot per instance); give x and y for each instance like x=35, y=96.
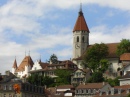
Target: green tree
x=95, y=58
x=128, y=95
x=64, y=76
x=113, y=82
x=53, y=59
x=96, y=77
x=39, y=80
x=123, y=47
x=48, y=81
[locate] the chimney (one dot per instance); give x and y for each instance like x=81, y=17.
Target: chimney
x=112, y=91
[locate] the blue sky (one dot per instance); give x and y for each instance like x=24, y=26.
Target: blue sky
x=44, y=27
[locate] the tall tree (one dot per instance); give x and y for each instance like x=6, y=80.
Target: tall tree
x=123, y=47
x=64, y=76
x=53, y=59
x=39, y=80
x=95, y=58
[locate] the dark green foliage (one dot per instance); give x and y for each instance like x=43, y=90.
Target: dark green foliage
x=95, y=58
x=53, y=59
x=96, y=77
x=39, y=80
x=48, y=81
x=63, y=76
x=123, y=47
x=128, y=95
x=113, y=82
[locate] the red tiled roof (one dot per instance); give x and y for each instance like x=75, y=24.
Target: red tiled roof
x=65, y=86
x=112, y=47
x=90, y=86
x=81, y=24
x=122, y=87
x=26, y=61
x=15, y=64
x=43, y=65
x=125, y=56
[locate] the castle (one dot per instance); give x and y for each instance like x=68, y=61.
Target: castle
x=80, y=45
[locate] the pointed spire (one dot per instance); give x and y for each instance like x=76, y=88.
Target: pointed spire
x=29, y=53
x=80, y=7
x=15, y=63
x=40, y=59
x=81, y=24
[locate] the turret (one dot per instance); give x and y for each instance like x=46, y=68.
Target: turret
x=14, y=68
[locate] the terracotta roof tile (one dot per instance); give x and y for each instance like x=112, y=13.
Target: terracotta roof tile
x=122, y=87
x=90, y=86
x=112, y=47
x=81, y=24
x=15, y=64
x=43, y=65
x=125, y=56
x=65, y=86
x=26, y=61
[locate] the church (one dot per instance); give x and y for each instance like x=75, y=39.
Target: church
x=80, y=45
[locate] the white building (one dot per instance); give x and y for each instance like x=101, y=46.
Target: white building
x=24, y=67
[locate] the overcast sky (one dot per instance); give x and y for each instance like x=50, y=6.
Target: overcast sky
x=44, y=27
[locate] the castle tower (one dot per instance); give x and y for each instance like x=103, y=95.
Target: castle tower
x=80, y=35
x=14, y=68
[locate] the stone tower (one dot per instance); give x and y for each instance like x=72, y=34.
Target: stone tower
x=80, y=35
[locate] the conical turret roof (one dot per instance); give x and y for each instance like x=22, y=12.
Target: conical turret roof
x=81, y=24
x=15, y=64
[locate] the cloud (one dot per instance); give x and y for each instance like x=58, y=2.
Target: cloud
x=24, y=26
x=105, y=34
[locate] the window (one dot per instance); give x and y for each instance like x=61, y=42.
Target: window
x=10, y=87
x=83, y=39
x=77, y=38
x=5, y=87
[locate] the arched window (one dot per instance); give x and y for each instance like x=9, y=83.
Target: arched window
x=83, y=39
x=77, y=38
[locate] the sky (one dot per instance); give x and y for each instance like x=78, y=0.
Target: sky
x=40, y=28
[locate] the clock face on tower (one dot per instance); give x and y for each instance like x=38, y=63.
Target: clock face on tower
x=77, y=46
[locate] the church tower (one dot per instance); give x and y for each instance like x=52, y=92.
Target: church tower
x=80, y=35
